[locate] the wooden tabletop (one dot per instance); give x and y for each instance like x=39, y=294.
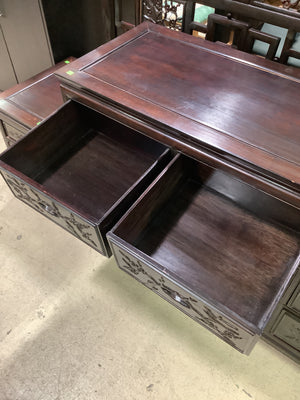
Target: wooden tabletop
x=33, y=100
x=208, y=95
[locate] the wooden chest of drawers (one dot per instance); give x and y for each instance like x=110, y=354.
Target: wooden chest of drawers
x=214, y=225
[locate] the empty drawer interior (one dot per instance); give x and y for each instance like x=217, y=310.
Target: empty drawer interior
x=225, y=240
x=84, y=158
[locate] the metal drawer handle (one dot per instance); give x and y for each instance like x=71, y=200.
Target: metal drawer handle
x=175, y=296
x=178, y=298
x=50, y=210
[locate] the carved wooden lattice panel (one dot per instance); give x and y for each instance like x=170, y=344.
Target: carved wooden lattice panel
x=165, y=12
x=231, y=333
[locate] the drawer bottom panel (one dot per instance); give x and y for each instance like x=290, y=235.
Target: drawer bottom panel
x=236, y=336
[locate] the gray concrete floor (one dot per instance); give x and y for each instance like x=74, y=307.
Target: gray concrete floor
x=73, y=326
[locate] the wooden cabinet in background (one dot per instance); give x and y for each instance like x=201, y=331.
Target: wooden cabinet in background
x=76, y=27
x=35, y=34
x=24, y=44
x=7, y=73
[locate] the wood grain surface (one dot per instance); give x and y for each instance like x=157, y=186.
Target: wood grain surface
x=205, y=95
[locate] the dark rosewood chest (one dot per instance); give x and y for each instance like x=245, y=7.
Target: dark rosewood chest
x=181, y=157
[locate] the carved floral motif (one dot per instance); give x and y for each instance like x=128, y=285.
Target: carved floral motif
x=294, y=334
x=200, y=312
x=172, y=15
x=152, y=11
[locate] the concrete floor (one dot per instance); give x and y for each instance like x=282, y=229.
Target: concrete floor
x=73, y=326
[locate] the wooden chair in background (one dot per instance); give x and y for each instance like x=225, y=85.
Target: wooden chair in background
x=249, y=25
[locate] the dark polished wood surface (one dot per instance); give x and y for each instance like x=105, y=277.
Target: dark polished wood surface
x=206, y=95
x=236, y=100
x=40, y=99
x=26, y=104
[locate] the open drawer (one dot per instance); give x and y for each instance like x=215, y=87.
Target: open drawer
x=220, y=250
x=82, y=170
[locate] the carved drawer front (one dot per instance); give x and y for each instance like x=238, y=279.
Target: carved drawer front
x=13, y=132
x=189, y=242
x=287, y=329
x=9, y=141
x=233, y=334
x=10, y=134
x=47, y=206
